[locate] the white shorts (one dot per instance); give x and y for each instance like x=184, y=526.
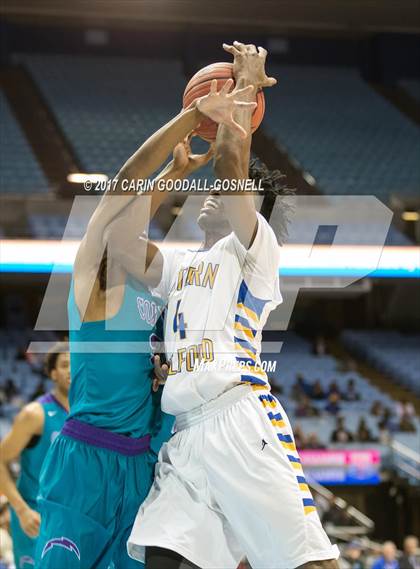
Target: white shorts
x=229, y=484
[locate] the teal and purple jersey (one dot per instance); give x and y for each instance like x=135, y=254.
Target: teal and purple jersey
x=111, y=364
x=31, y=461
x=32, y=457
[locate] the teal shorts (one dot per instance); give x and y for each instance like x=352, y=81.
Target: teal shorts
x=89, y=497
x=23, y=545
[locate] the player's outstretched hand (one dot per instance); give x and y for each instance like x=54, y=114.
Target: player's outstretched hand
x=160, y=373
x=30, y=520
x=219, y=106
x=185, y=162
x=249, y=64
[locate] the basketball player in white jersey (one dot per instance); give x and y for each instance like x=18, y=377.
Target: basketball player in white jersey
x=229, y=482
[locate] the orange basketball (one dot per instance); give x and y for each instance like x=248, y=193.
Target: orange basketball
x=199, y=85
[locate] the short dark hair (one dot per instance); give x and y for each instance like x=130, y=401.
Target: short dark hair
x=52, y=356
x=273, y=184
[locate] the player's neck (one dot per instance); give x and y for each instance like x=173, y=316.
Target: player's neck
x=212, y=237
x=61, y=398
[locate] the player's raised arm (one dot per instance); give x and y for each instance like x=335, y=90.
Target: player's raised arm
x=126, y=246
x=232, y=151
x=219, y=106
x=28, y=423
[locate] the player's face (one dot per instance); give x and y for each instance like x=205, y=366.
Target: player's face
x=212, y=216
x=61, y=373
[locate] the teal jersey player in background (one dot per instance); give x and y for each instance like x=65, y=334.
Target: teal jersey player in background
x=30, y=438
x=100, y=467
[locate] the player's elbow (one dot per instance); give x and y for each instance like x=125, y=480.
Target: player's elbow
x=227, y=160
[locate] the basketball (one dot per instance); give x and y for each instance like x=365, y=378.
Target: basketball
x=199, y=85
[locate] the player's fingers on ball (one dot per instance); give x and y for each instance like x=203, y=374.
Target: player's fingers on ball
x=246, y=105
x=271, y=81
x=213, y=86
x=239, y=46
x=226, y=87
x=262, y=52
x=251, y=48
x=230, y=48
x=243, y=91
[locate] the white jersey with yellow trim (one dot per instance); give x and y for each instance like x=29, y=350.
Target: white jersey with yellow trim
x=218, y=303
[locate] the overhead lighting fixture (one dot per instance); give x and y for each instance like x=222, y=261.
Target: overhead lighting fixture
x=410, y=215
x=82, y=177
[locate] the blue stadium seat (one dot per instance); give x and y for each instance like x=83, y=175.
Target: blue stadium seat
x=20, y=171
x=351, y=140
x=107, y=106
x=394, y=354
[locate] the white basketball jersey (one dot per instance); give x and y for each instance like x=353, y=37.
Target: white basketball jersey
x=218, y=301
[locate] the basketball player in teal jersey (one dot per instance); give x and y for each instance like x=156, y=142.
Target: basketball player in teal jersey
x=101, y=465
x=33, y=431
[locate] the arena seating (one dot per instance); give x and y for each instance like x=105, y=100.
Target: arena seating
x=55, y=226
x=296, y=357
x=394, y=354
x=20, y=171
x=351, y=140
x=107, y=106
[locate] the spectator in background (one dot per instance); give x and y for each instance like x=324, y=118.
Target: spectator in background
x=10, y=390
x=313, y=442
x=411, y=557
x=333, y=404
x=353, y=556
x=300, y=387
x=406, y=424
x=387, y=421
x=317, y=392
x=320, y=346
x=388, y=560
x=39, y=390
x=333, y=388
x=377, y=409
x=341, y=434
x=404, y=407
x=363, y=433
x=351, y=394
x=299, y=437
x=304, y=408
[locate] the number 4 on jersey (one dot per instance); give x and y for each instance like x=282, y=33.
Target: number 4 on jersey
x=179, y=324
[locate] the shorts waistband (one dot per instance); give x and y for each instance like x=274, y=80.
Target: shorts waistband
x=199, y=414
x=105, y=439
